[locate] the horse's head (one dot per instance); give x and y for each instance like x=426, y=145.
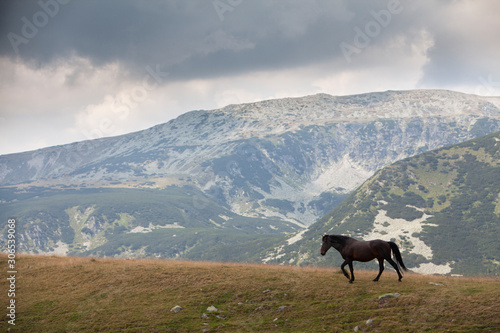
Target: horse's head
x=326, y=244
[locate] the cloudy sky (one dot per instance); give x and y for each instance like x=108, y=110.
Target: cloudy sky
x=83, y=69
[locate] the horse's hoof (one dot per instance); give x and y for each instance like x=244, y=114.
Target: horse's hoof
x=375, y=280
x=350, y=281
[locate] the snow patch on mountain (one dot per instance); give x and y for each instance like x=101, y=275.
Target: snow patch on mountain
x=152, y=227
x=296, y=238
x=345, y=175
x=387, y=228
x=431, y=268
x=404, y=232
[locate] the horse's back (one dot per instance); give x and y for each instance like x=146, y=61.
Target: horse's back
x=369, y=250
x=378, y=242
x=365, y=250
x=382, y=247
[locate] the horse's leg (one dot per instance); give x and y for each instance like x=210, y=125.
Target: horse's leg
x=380, y=268
x=386, y=254
x=343, y=270
x=352, y=272
x=390, y=261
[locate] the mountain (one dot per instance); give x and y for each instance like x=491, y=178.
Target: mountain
x=442, y=207
x=284, y=163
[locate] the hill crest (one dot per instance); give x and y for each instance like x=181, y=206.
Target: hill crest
x=94, y=294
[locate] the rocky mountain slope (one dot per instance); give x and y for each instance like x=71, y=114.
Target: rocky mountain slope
x=442, y=208
x=270, y=158
x=286, y=161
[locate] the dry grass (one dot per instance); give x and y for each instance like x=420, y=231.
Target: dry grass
x=61, y=294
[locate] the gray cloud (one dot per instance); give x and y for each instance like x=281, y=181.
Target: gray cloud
x=75, y=61
x=189, y=38
x=217, y=38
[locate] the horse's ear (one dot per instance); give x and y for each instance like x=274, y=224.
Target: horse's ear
x=324, y=237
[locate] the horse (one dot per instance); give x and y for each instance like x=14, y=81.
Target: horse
x=364, y=251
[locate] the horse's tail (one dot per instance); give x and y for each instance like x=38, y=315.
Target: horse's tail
x=397, y=254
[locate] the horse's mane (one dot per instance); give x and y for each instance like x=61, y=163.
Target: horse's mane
x=341, y=239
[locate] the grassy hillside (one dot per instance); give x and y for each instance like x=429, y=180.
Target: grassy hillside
x=172, y=222
x=70, y=294
x=442, y=208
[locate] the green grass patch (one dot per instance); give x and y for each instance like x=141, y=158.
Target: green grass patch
x=59, y=294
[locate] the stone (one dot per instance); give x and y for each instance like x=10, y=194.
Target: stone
x=212, y=308
x=436, y=284
x=387, y=296
x=176, y=309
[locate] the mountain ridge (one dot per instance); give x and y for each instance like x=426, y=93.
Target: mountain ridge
x=221, y=130
x=283, y=161
x=179, y=147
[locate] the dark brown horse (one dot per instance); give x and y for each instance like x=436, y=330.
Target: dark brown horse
x=355, y=250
